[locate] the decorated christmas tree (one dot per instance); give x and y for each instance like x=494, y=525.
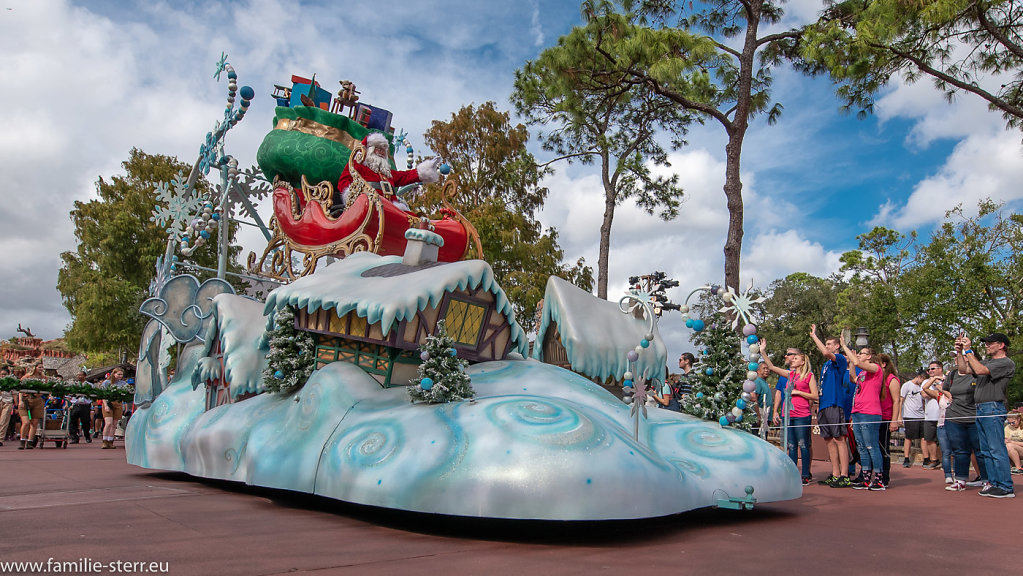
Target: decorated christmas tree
x=442, y=376
x=718, y=375
x=292, y=356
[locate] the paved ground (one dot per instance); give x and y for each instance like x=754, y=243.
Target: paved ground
x=84, y=502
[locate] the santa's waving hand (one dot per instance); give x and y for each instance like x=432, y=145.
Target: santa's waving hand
x=376, y=170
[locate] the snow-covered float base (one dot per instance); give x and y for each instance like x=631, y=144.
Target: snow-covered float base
x=539, y=442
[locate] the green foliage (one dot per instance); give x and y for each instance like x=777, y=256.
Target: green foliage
x=914, y=297
x=590, y=110
x=61, y=388
x=292, y=356
x=795, y=302
x=445, y=370
x=499, y=192
x=961, y=46
x=106, y=278
x=721, y=352
x=679, y=53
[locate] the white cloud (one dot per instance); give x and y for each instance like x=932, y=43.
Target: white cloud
x=981, y=166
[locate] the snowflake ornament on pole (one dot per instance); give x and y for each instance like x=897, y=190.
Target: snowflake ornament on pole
x=637, y=303
x=724, y=383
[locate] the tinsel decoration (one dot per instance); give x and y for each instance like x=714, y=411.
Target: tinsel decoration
x=441, y=376
x=292, y=356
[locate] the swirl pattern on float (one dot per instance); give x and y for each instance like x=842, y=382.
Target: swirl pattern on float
x=689, y=467
x=720, y=444
x=369, y=445
x=546, y=422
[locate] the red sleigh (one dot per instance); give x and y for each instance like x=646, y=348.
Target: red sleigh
x=370, y=222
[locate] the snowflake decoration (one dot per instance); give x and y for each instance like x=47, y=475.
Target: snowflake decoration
x=221, y=66
x=739, y=305
x=174, y=206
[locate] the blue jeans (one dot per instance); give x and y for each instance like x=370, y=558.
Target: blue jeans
x=799, y=442
x=991, y=433
x=964, y=439
x=866, y=428
x=946, y=451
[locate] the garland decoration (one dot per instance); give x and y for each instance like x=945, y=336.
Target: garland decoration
x=69, y=388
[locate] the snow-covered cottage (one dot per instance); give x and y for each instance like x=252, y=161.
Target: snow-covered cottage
x=592, y=337
x=375, y=311
x=234, y=352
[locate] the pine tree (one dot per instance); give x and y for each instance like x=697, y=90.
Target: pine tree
x=719, y=374
x=442, y=376
x=292, y=356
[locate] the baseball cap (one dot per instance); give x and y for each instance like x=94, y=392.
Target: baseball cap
x=996, y=337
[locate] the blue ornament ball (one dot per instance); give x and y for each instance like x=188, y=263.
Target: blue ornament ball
x=699, y=394
x=723, y=421
x=445, y=168
x=689, y=323
x=740, y=404
x=627, y=384
x=408, y=149
x=709, y=372
x=452, y=352
x=232, y=75
x=205, y=234
x=698, y=325
x=644, y=343
x=753, y=366
x=278, y=374
x=752, y=339
x=426, y=383
x=247, y=93
x=714, y=289
x=215, y=216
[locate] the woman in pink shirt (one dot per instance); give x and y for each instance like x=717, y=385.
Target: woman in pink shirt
x=866, y=415
x=802, y=390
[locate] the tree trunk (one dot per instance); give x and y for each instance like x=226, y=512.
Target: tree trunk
x=733, y=197
x=605, y=244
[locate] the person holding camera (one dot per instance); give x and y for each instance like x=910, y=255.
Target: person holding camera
x=993, y=376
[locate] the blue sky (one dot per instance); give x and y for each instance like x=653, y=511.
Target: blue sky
x=84, y=82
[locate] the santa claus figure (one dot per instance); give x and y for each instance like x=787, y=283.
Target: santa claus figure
x=376, y=170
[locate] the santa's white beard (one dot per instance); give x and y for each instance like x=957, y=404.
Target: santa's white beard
x=378, y=164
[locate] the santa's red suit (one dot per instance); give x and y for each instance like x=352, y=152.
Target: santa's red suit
x=375, y=169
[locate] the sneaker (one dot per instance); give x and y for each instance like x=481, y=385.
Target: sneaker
x=806, y=480
x=996, y=492
x=976, y=482
x=907, y=463
x=828, y=481
x=956, y=486
x=859, y=479
x=861, y=485
x=1015, y=470
x=926, y=463
x=841, y=482
x=987, y=487
x=877, y=486
x=949, y=480
x=935, y=465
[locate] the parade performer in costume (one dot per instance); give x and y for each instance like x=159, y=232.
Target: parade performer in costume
x=376, y=170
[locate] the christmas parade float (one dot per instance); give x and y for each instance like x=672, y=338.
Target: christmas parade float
x=397, y=376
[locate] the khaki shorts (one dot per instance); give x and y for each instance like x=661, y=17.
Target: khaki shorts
x=30, y=403
x=112, y=408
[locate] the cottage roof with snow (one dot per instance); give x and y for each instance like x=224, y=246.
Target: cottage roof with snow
x=378, y=310
x=592, y=336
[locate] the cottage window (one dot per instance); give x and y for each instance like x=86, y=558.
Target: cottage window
x=464, y=321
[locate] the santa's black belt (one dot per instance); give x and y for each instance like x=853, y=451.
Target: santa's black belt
x=384, y=187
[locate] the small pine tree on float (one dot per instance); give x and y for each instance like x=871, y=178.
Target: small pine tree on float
x=292, y=356
x=718, y=375
x=441, y=376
